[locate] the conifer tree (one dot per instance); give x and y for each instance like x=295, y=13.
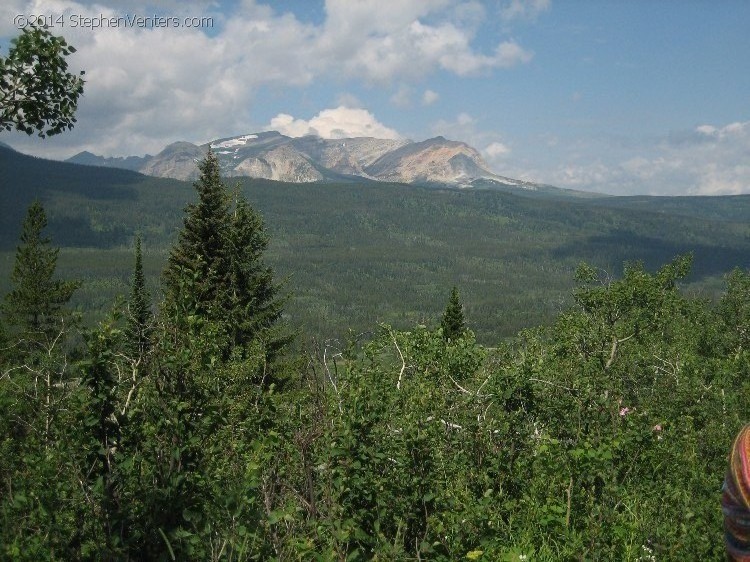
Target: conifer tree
x=38, y=335
x=198, y=264
x=36, y=303
x=215, y=336
x=139, y=308
x=216, y=272
x=254, y=304
x=453, y=323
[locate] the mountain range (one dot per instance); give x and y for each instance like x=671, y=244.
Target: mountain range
x=271, y=155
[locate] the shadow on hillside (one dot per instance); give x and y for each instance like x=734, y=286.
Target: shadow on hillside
x=25, y=178
x=619, y=246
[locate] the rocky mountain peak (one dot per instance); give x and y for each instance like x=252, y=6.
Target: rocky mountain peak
x=271, y=155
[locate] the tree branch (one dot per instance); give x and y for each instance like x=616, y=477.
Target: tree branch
x=403, y=361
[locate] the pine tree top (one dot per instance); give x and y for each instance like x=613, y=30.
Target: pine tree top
x=453, y=322
x=139, y=307
x=216, y=270
x=37, y=298
x=201, y=250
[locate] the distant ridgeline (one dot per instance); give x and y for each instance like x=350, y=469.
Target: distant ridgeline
x=360, y=251
x=271, y=155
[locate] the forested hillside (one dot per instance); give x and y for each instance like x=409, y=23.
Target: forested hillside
x=355, y=255
x=185, y=426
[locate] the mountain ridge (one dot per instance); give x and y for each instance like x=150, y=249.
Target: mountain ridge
x=272, y=155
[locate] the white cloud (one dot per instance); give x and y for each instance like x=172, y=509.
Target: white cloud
x=429, y=97
x=342, y=122
x=148, y=87
x=449, y=47
x=495, y=150
x=9, y=9
x=523, y=9
x=345, y=17
x=707, y=160
x=510, y=53
x=382, y=46
x=736, y=129
x=708, y=130
x=402, y=96
x=349, y=100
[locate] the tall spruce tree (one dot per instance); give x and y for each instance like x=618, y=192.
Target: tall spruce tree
x=254, y=306
x=35, y=305
x=198, y=266
x=39, y=395
x=453, y=323
x=139, y=308
x=216, y=272
x=216, y=333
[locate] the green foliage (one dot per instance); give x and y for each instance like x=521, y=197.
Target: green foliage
x=358, y=255
x=201, y=252
x=599, y=436
x=409, y=461
x=634, y=419
x=139, y=317
x=253, y=304
x=34, y=305
x=37, y=93
x=735, y=311
x=453, y=323
x=216, y=272
x=40, y=457
x=102, y=413
x=603, y=436
x=39, y=333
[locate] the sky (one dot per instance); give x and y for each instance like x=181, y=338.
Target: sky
x=621, y=97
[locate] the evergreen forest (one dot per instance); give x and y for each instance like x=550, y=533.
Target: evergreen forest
x=182, y=386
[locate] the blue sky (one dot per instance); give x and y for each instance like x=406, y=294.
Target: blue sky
x=621, y=97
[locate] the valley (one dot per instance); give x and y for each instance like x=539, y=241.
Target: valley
x=356, y=254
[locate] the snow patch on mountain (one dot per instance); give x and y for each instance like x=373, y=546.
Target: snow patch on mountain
x=238, y=141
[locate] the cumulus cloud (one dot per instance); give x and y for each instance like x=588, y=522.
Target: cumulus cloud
x=495, y=150
x=448, y=47
x=707, y=160
x=429, y=97
x=402, y=96
x=147, y=87
x=733, y=130
x=413, y=49
x=523, y=9
x=338, y=123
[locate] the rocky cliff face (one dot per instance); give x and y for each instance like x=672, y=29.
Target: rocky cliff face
x=178, y=161
x=281, y=163
x=271, y=155
x=432, y=161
